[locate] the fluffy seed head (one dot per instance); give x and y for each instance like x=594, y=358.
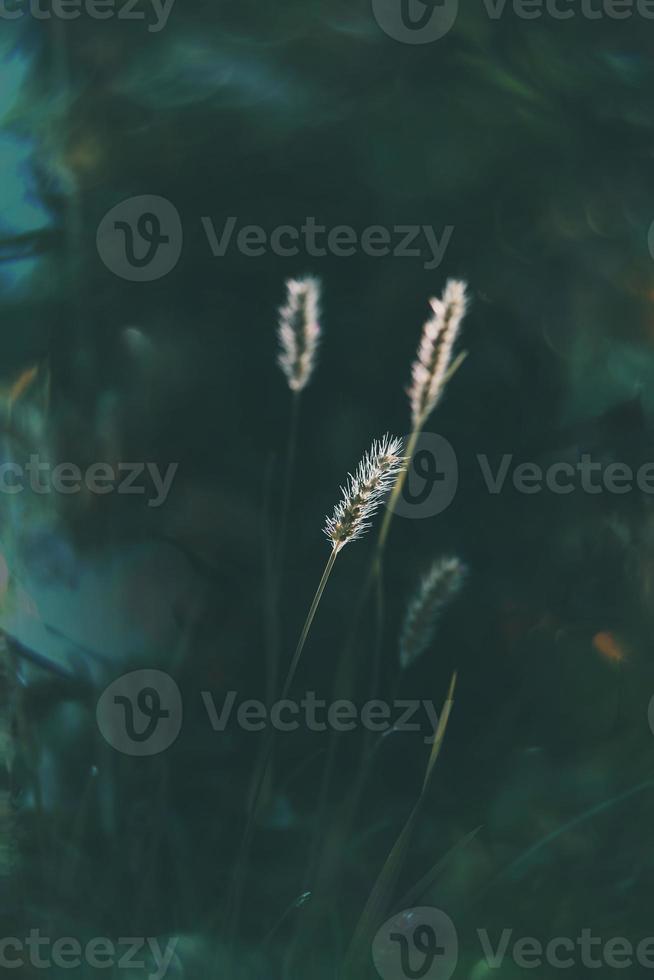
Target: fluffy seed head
x=435, y=351
x=439, y=586
x=299, y=331
x=364, y=491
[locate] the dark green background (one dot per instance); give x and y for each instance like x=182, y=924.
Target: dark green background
x=534, y=139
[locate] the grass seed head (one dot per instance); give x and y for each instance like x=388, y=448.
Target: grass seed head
x=434, y=356
x=299, y=331
x=364, y=491
x=437, y=589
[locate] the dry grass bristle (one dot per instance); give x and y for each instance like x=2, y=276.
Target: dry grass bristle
x=365, y=491
x=434, y=358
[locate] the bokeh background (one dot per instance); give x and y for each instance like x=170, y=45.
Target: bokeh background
x=534, y=140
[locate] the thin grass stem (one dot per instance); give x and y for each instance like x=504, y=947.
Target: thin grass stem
x=291, y=453
x=265, y=760
x=309, y=621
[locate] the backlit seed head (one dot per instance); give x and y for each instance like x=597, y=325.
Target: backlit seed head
x=364, y=491
x=434, y=358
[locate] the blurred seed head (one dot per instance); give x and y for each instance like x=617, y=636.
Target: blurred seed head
x=429, y=371
x=438, y=588
x=299, y=331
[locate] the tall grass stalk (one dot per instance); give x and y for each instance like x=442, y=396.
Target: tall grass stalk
x=381, y=894
x=432, y=370
x=299, y=334
x=361, y=498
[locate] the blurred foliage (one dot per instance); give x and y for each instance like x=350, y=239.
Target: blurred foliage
x=533, y=139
